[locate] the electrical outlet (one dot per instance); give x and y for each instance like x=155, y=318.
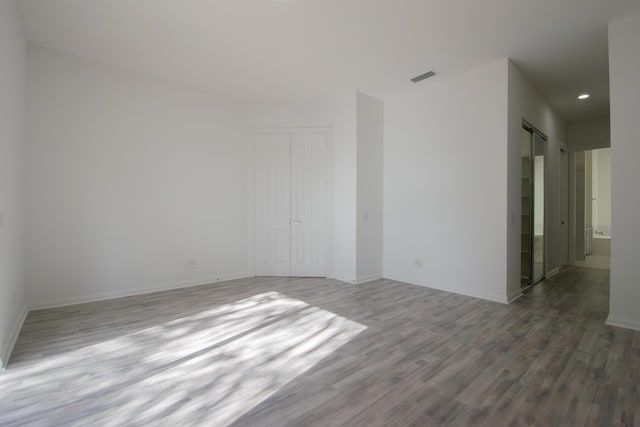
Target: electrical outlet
x=191, y=264
x=417, y=262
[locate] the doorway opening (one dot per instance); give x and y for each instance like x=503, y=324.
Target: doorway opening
x=593, y=208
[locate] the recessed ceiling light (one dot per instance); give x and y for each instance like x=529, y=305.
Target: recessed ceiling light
x=583, y=96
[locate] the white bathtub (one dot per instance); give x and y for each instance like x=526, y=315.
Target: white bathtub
x=601, y=245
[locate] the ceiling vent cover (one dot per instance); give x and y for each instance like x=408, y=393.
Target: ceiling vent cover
x=423, y=76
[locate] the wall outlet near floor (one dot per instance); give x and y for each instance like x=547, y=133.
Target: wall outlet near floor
x=191, y=264
x=417, y=262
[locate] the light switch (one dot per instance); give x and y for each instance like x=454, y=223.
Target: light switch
x=365, y=216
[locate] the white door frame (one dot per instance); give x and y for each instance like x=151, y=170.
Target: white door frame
x=564, y=178
x=572, y=193
x=250, y=158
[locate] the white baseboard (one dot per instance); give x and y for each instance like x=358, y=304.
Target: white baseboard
x=461, y=291
x=369, y=278
x=5, y=355
x=552, y=273
x=342, y=279
x=623, y=323
x=514, y=297
x=135, y=291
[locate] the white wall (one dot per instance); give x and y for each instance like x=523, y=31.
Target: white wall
x=12, y=121
x=602, y=190
x=370, y=134
x=525, y=103
x=128, y=177
x=578, y=250
x=588, y=189
x=589, y=135
x=624, y=72
x=339, y=114
x=445, y=199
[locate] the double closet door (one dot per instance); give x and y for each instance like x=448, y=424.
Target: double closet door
x=290, y=204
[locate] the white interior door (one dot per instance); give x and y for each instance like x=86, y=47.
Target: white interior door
x=272, y=204
x=308, y=204
x=290, y=204
x=564, y=207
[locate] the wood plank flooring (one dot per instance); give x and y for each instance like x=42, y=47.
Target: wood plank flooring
x=315, y=352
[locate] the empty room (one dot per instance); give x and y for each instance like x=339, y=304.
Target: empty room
x=319, y=213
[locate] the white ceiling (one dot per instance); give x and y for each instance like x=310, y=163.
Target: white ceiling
x=258, y=50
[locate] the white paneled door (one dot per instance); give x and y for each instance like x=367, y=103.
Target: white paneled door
x=290, y=204
x=272, y=204
x=308, y=204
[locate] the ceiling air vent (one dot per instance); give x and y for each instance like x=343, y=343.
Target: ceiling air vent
x=423, y=76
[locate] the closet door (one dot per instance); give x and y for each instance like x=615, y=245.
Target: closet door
x=290, y=204
x=538, y=208
x=533, y=207
x=308, y=204
x=526, y=234
x=272, y=204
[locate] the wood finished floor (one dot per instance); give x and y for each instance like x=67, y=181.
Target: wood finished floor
x=310, y=352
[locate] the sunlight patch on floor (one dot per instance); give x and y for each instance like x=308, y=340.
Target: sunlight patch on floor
x=212, y=366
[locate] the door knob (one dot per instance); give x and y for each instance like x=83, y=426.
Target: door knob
x=297, y=222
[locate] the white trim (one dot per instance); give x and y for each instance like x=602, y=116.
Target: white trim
x=572, y=207
x=136, y=291
x=621, y=322
x=328, y=132
x=547, y=204
x=590, y=147
x=250, y=159
x=567, y=150
x=342, y=279
x=329, y=202
x=289, y=129
x=514, y=298
x=369, y=278
x=5, y=356
x=552, y=273
x=461, y=291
